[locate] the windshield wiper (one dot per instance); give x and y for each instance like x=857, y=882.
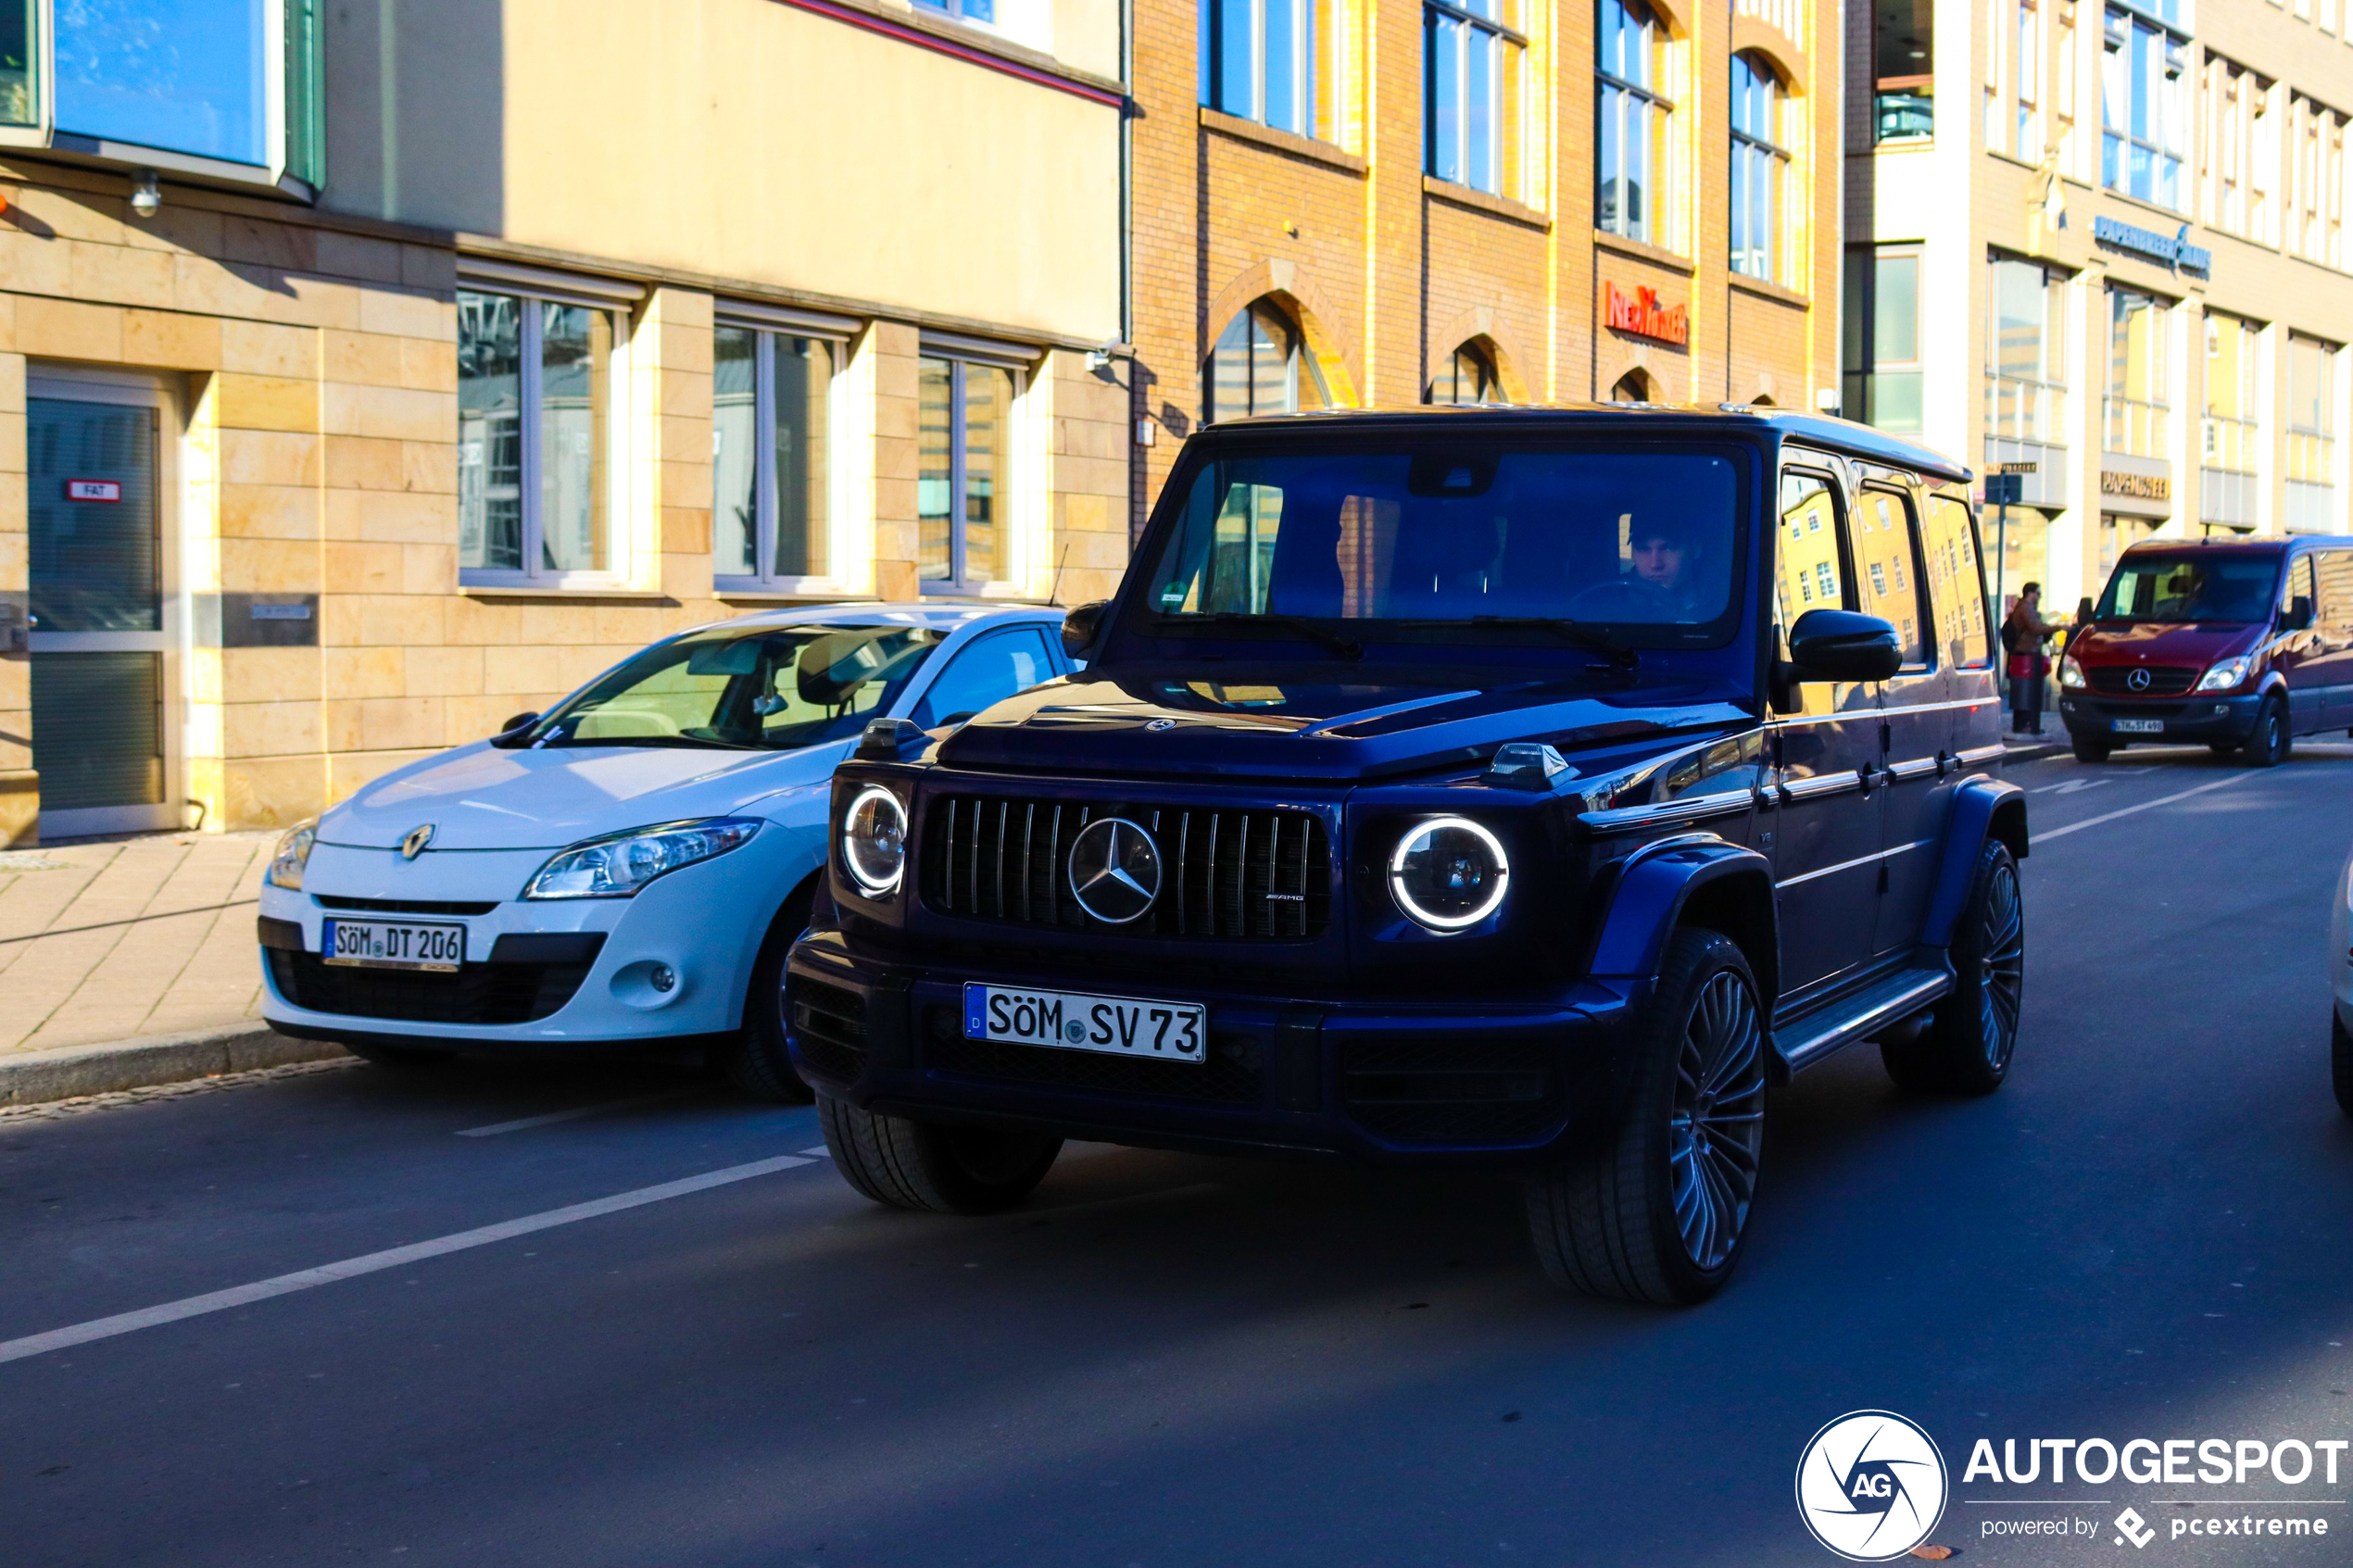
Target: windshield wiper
x=1346, y=647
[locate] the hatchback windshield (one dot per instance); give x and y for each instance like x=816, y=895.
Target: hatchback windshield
x=2188, y=587
x=773, y=687
x=1641, y=544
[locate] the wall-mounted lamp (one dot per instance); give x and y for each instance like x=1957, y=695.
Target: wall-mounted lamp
x=146, y=193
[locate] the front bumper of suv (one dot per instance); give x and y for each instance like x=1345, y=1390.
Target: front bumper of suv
x=1390, y=1083
x=2201, y=719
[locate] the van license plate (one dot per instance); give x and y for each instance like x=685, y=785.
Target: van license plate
x=386, y=943
x=1076, y=1020
x=2140, y=726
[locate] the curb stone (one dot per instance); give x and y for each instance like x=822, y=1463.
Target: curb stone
x=31, y=1077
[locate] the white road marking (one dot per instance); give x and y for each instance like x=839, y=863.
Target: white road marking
x=2070, y=787
x=574, y=1115
x=2045, y=837
x=375, y=1262
x=820, y=1153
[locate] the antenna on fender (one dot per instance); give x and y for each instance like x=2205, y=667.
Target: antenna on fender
x=1053, y=595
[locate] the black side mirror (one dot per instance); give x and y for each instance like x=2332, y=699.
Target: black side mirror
x=1840, y=644
x=2299, y=614
x=1080, y=628
x=510, y=734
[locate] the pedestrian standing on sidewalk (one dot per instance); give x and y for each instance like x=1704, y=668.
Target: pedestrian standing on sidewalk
x=2023, y=633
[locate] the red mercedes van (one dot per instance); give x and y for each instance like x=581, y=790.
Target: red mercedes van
x=2239, y=645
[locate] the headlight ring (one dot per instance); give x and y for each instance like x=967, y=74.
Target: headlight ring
x=1448, y=873
x=874, y=841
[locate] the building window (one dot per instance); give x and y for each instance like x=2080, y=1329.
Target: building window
x=19, y=82
x=1633, y=191
x=963, y=473
x=2014, y=78
x=2316, y=184
x=1881, y=338
x=2311, y=435
x=1903, y=69
x=2239, y=152
x=2144, y=110
x=1632, y=387
x=2137, y=387
x=1273, y=61
x=536, y=438
x=1760, y=167
x=2228, y=436
x=982, y=11
x=1468, y=376
x=1473, y=69
x=771, y=396
x=2025, y=354
x=1260, y=365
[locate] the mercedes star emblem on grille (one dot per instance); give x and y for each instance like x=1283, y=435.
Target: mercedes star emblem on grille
x=1159, y=724
x=2138, y=680
x=414, y=845
x=1114, y=869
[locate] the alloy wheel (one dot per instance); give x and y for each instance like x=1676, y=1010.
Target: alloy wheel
x=1715, y=1131
x=2000, y=970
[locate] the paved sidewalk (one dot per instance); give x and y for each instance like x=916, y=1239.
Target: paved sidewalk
x=104, y=941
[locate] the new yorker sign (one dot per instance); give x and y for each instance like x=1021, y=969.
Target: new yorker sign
x=1641, y=314
x=2173, y=252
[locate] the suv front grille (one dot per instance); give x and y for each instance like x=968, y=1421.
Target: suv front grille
x=1225, y=873
x=2165, y=679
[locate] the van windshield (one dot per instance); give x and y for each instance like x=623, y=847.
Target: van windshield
x=2191, y=587
x=770, y=688
x=1640, y=546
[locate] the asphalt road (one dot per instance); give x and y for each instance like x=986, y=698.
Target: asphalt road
x=1171, y=1360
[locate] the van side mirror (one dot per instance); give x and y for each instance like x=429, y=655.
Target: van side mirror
x=1840, y=644
x=2299, y=614
x=1081, y=627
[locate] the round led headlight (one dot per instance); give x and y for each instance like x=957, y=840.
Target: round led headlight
x=874, y=841
x=1448, y=872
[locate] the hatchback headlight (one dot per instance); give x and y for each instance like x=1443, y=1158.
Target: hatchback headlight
x=2071, y=675
x=292, y=855
x=619, y=864
x=874, y=841
x=2228, y=673
x=1449, y=872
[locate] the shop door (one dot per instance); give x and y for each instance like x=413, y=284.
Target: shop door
x=98, y=461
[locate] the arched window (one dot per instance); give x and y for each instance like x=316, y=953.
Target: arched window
x=1760, y=164
x=1633, y=141
x=1468, y=376
x=1260, y=366
x=1632, y=387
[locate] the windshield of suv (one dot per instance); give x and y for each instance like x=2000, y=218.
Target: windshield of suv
x=764, y=688
x=1638, y=544
x=2188, y=587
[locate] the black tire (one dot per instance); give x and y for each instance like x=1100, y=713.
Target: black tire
x=757, y=1060
x=2089, y=750
x=2223, y=747
x=376, y=1053
x=1658, y=1211
x=2267, y=744
x=1966, y=1048
x=935, y=1168
x=2341, y=1062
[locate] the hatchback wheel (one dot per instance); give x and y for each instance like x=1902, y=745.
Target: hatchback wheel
x=757, y=1060
x=1966, y=1048
x=1659, y=1212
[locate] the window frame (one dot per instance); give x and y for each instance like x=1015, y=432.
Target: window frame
x=1747, y=147
x=1861, y=366
x=961, y=358
x=2119, y=140
x=767, y=327
x=1650, y=107
x=2311, y=449
x=1486, y=381
x=2159, y=408
x=529, y=434
x=1318, y=27
x=1509, y=85
x=2049, y=391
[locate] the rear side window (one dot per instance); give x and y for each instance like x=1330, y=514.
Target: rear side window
x=1808, y=574
x=1955, y=583
x=1887, y=572
x=2334, y=609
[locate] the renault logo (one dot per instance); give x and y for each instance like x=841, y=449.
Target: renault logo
x=2137, y=681
x=414, y=845
x=1114, y=869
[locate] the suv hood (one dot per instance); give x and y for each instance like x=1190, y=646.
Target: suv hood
x=2172, y=642
x=1366, y=725
x=480, y=797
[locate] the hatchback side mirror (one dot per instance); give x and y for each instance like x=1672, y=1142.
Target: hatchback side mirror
x=1080, y=628
x=510, y=734
x=1839, y=645
x=2299, y=614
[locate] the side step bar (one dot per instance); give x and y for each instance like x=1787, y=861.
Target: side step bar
x=1807, y=1041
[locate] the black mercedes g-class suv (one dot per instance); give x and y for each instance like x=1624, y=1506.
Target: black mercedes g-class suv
x=1530, y=788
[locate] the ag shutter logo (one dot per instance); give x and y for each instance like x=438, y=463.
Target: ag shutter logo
x=1872, y=1485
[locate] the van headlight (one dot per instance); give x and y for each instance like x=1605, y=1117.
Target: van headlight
x=2228, y=673
x=2071, y=675
x=286, y=862
x=619, y=864
x=874, y=841
x=1448, y=872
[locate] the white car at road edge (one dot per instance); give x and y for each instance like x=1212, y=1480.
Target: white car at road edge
x=630, y=868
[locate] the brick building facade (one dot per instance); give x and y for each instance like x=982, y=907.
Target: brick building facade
x=1427, y=200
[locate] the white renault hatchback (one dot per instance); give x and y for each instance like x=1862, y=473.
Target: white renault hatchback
x=631, y=867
